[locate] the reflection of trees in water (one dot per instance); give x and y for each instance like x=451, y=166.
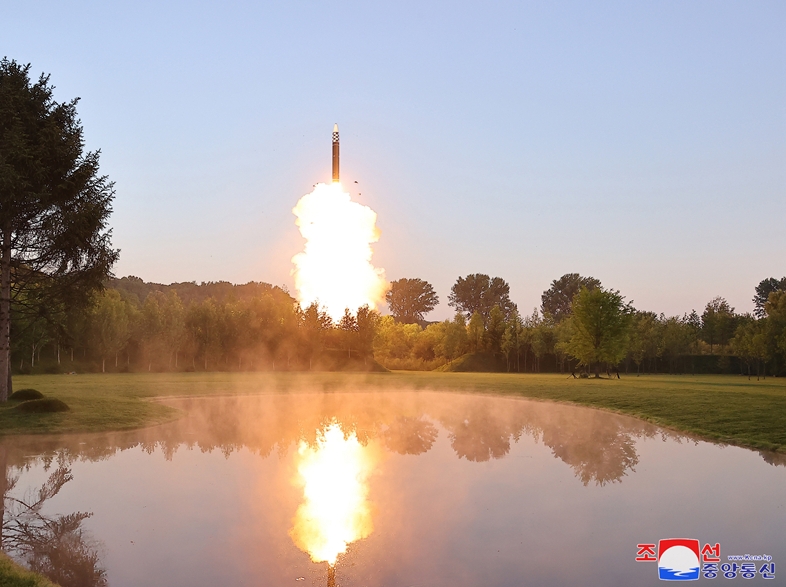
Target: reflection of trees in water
x=479, y=434
x=596, y=448
x=55, y=546
x=777, y=459
x=410, y=436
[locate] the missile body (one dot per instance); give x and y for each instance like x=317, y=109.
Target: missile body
x=335, y=153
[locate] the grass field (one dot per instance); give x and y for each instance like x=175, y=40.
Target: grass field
x=724, y=408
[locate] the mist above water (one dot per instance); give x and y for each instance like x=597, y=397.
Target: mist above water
x=440, y=486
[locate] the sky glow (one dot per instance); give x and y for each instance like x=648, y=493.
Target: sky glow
x=641, y=143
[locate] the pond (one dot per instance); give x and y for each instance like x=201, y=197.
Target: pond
x=387, y=489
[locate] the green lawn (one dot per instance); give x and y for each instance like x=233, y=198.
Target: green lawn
x=727, y=408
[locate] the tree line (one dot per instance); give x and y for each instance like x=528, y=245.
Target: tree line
x=583, y=327
x=580, y=327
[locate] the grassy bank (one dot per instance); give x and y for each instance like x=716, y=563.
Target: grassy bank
x=717, y=407
x=14, y=575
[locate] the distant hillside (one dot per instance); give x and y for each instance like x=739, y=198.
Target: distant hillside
x=136, y=289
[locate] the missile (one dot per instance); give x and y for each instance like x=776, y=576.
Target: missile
x=335, y=153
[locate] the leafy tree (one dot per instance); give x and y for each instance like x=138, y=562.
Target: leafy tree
x=513, y=340
x=410, y=300
x=111, y=325
x=315, y=323
x=456, y=338
x=717, y=322
x=556, y=300
x=646, y=339
x=763, y=291
x=676, y=339
x=480, y=293
x=475, y=332
x=348, y=327
x=203, y=324
x=600, y=323
x=775, y=309
x=53, y=204
x=495, y=330
x=367, y=321
x=750, y=344
x=544, y=340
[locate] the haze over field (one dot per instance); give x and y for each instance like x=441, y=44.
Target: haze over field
x=641, y=144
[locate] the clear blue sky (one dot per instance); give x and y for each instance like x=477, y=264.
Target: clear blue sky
x=643, y=143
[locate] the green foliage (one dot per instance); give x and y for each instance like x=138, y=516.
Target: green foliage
x=111, y=323
x=763, y=291
x=775, y=309
x=410, y=300
x=479, y=293
x=22, y=395
x=46, y=405
x=495, y=330
x=476, y=333
x=556, y=301
x=717, y=323
x=14, y=575
x=600, y=323
x=55, y=246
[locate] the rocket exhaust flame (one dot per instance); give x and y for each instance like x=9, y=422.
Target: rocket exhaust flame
x=335, y=267
x=335, y=511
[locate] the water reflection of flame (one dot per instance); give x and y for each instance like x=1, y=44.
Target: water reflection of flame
x=335, y=511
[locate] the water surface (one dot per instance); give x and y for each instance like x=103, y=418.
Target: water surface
x=381, y=489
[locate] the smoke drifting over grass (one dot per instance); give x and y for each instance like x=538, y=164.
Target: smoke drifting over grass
x=335, y=268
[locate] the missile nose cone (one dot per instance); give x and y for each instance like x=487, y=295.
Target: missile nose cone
x=335, y=128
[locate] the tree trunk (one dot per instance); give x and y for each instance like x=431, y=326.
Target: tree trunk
x=103, y=364
x=3, y=485
x=5, y=314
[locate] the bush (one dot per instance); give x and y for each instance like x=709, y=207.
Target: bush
x=25, y=394
x=42, y=406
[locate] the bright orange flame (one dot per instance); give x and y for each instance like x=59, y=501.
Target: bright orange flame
x=335, y=267
x=335, y=511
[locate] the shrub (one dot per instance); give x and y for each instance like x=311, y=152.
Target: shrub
x=25, y=394
x=42, y=406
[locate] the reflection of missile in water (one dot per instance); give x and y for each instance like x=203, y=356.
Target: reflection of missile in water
x=335, y=153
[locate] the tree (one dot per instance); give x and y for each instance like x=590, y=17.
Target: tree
x=556, y=300
x=348, y=328
x=600, y=323
x=410, y=300
x=495, y=330
x=111, y=325
x=513, y=340
x=53, y=204
x=717, y=322
x=475, y=332
x=480, y=293
x=775, y=309
x=456, y=338
x=763, y=291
